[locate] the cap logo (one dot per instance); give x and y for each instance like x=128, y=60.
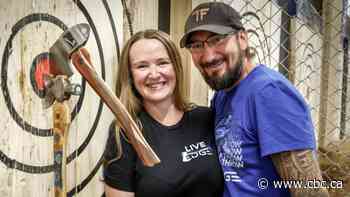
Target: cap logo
x=199, y=14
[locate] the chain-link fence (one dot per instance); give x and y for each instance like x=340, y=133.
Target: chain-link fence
x=307, y=41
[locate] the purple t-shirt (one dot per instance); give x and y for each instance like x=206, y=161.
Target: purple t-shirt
x=264, y=114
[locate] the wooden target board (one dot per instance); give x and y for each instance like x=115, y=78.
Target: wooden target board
x=29, y=29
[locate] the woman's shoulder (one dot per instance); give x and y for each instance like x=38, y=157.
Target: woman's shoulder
x=201, y=112
x=200, y=109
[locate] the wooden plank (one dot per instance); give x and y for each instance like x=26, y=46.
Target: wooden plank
x=90, y=125
x=329, y=117
x=61, y=122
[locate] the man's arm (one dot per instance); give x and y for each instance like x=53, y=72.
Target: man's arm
x=299, y=165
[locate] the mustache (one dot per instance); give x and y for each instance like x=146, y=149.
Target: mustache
x=212, y=62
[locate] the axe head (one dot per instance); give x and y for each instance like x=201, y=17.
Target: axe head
x=60, y=52
x=70, y=40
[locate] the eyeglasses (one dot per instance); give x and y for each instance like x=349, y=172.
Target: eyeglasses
x=212, y=41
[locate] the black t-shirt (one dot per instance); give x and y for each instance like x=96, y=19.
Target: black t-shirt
x=189, y=165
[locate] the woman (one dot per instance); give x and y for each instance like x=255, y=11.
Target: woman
x=150, y=84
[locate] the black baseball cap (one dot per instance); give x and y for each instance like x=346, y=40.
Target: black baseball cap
x=216, y=17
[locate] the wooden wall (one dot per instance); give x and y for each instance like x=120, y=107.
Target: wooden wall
x=28, y=29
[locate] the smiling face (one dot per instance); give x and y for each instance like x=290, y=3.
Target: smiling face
x=222, y=65
x=152, y=71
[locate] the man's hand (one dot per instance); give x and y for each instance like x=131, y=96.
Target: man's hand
x=300, y=165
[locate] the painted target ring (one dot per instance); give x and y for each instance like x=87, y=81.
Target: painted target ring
x=39, y=61
x=40, y=67
x=12, y=163
x=4, y=66
x=18, y=119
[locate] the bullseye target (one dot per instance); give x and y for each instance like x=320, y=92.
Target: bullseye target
x=26, y=138
x=40, y=68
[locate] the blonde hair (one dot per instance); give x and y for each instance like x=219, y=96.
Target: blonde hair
x=125, y=89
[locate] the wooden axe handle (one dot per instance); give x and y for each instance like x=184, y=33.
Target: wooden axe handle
x=61, y=121
x=81, y=61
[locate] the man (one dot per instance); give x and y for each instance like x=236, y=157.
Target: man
x=263, y=129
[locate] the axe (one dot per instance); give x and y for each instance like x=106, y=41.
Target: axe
x=67, y=49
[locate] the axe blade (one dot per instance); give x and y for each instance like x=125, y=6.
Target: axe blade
x=60, y=52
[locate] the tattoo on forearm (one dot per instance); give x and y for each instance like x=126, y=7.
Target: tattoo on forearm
x=299, y=166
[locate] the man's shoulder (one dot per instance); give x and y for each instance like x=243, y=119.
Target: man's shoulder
x=256, y=82
x=264, y=76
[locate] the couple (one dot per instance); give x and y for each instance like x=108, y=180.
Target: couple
x=257, y=131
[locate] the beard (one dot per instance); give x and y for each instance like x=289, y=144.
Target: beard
x=229, y=78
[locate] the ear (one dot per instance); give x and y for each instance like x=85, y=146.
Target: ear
x=243, y=39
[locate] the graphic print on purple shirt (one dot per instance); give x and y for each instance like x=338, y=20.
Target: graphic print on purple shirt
x=264, y=114
x=232, y=151
x=230, y=145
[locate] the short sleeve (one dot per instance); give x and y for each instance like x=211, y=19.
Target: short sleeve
x=119, y=174
x=283, y=120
